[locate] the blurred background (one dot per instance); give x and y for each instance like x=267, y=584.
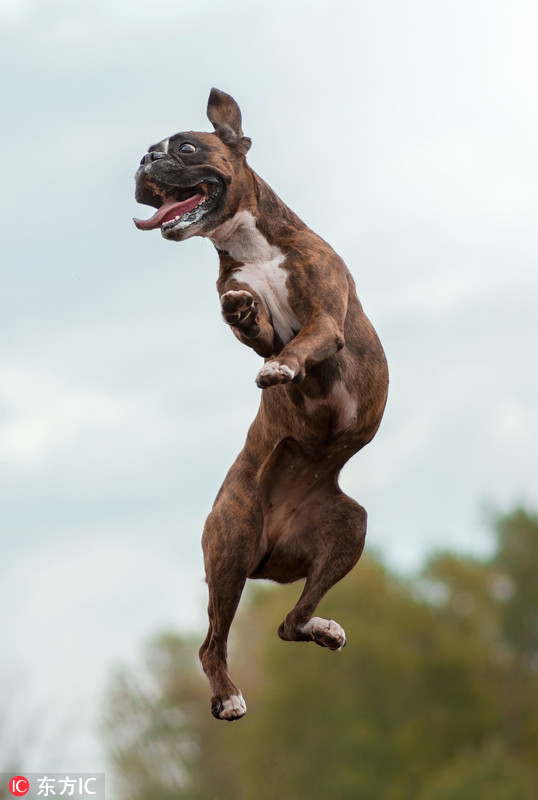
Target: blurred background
x=405, y=135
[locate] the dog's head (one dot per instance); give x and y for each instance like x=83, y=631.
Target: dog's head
x=195, y=180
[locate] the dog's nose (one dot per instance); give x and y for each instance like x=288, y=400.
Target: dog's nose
x=153, y=156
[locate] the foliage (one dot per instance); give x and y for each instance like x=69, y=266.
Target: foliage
x=488, y=774
x=434, y=697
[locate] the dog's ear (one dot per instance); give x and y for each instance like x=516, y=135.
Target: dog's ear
x=225, y=115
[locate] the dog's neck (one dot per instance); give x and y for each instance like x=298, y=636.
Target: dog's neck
x=241, y=238
x=252, y=234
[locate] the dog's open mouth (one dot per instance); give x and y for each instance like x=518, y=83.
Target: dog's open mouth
x=181, y=207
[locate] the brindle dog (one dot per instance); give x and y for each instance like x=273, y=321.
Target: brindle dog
x=280, y=513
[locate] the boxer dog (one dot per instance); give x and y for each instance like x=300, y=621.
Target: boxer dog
x=280, y=513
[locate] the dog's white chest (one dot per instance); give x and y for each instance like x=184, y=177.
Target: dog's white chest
x=262, y=269
x=268, y=280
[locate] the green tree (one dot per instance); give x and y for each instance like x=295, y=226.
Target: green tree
x=517, y=561
x=376, y=719
x=488, y=774
x=435, y=696
x=152, y=741
x=496, y=601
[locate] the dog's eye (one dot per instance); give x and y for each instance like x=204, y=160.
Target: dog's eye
x=186, y=147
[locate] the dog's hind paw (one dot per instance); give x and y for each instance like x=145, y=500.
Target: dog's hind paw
x=325, y=632
x=230, y=708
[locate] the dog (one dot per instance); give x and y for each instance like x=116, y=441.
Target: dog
x=280, y=513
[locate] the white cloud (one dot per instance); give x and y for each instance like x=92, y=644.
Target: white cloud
x=16, y=13
x=45, y=413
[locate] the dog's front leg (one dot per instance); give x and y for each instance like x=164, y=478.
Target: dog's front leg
x=248, y=320
x=321, y=303
x=321, y=338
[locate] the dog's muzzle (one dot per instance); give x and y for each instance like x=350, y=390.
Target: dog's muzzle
x=149, y=157
x=178, y=206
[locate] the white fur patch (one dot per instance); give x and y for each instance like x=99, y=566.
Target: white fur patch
x=233, y=707
x=262, y=269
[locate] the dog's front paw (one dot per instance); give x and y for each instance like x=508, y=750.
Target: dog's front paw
x=274, y=372
x=229, y=708
x=238, y=308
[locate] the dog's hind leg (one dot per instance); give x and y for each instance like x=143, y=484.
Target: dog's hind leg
x=230, y=541
x=335, y=537
x=312, y=530
x=227, y=701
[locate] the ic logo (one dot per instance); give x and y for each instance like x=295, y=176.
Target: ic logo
x=19, y=786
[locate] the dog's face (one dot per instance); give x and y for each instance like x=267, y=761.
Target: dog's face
x=194, y=179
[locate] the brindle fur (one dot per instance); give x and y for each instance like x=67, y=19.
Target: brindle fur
x=280, y=513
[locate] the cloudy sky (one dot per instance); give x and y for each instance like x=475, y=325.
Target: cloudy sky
x=405, y=134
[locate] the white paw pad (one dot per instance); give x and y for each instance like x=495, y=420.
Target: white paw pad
x=325, y=632
x=233, y=707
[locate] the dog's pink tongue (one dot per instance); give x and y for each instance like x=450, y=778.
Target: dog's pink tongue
x=167, y=212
